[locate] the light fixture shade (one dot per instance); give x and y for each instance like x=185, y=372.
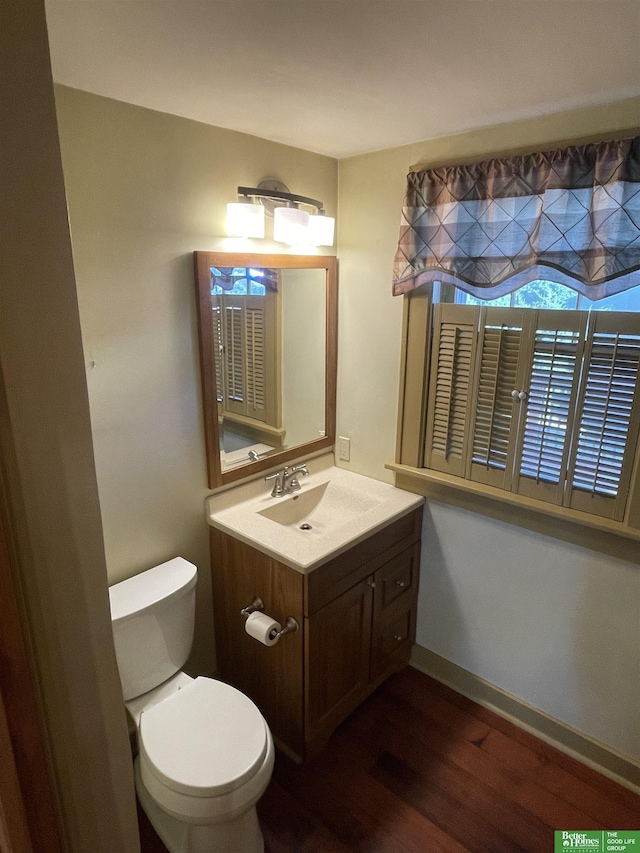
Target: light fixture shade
x=290, y=225
x=245, y=220
x=321, y=229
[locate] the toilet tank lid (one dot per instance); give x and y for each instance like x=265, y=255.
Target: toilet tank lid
x=142, y=591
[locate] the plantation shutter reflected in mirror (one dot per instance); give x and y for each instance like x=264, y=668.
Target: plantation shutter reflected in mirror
x=233, y=357
x=218, y=346
x=244, y=335
x=255, y=359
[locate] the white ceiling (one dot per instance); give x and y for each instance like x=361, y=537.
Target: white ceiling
x=342, y=77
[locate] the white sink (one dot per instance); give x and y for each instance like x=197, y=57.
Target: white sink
x=321, y=508
x=333, y=510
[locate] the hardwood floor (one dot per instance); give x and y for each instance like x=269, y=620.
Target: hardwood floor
x=420, y=769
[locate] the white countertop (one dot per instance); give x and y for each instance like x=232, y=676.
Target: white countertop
x=363, y=506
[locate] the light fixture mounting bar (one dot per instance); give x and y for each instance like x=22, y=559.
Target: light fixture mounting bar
x=280, y=196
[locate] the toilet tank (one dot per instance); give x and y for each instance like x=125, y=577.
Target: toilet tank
x=152, y=615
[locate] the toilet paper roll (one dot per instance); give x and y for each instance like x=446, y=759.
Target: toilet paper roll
x=260, y=626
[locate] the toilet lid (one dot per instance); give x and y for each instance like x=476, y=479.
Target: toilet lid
x=205, y=740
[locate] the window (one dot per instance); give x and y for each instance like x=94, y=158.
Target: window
x=550, y=294
x=243, y=281
x=540, y=403
x=515, y=386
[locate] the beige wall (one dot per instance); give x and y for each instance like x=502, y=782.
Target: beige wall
x=554, y=624
x=145, y=190
x=47, y=463
x=303, y=354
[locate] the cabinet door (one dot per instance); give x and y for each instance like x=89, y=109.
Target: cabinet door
x=338, y=646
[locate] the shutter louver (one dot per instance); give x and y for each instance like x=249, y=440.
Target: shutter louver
x=451, y=377
x=550, y=406
x=499, y=374
x=607, y=417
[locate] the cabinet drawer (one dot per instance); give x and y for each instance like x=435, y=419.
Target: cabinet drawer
x=327, y=582
x=397, y=578
x=392, y=640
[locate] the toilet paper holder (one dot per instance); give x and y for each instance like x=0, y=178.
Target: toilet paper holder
x=290, y=624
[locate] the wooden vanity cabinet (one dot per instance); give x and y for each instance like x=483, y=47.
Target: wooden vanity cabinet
x=357, y=625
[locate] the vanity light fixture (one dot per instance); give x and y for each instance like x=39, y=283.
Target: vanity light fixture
x=291, y=224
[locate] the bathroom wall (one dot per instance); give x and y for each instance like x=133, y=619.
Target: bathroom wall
x=303, y=354
x=554, y=624
x=145, y=189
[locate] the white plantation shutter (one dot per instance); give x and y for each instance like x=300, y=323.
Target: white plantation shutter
x=554, y=371
x=607, y=418
x=541, y=403
x=455, y=337
x=503, y=333
x=255, y=360
x=218, y=347
x=241, y=372
x=234, y=360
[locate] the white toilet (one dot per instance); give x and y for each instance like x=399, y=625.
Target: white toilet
x=205, y=750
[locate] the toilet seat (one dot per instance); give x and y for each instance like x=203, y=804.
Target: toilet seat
x=205, y=740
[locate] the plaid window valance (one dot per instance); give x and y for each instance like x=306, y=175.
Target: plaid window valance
x=571, y=215
x=228, y=278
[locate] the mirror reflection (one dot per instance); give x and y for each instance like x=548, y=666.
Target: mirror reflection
x=267, y=341
x=269, y=346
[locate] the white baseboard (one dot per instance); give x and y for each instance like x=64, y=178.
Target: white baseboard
x=583, y=748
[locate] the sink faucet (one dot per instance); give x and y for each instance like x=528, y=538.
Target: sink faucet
x=290, y=478
x=286, y=481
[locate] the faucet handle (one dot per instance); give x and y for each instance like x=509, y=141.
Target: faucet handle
x=277, y=486
x=290, y=479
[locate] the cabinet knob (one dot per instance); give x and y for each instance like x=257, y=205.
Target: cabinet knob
x=401, y=584
x=372, y=584
x=398, y=638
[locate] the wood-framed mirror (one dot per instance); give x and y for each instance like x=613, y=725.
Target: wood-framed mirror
x=268, y=332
